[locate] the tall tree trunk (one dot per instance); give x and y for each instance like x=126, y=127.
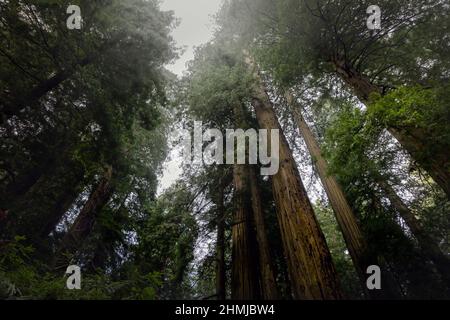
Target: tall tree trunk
x=428, y=245
x=310, y=265
x=413, y=140
x=220, y=246
x=309, y=260
x=437, y=165
x=244, y=273
x=353, y=236
x=269, y=290
x=85, y=220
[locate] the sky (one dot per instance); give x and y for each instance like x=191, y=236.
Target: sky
x=196, y=28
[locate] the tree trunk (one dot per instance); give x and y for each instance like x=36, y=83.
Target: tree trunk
x=437, y=165
x=220, y=246
x=353, y=236
x=85, y=220
x=244, y=276
x=309, y=260
x=269, y=290
x=430, y=248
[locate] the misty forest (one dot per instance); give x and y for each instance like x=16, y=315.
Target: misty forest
x=90, y=116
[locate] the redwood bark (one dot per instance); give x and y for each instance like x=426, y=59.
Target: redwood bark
x=347, y=221
x=269, y=290
x=85, y=220
x=412, y=139
x=353, y=236
x=244, y=273
x=310, y=265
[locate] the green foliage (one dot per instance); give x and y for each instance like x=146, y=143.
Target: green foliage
x=108, y=110
x=299, y=39
x=413, y=108
x=160, y=253
x=218, y=81
x=359, y=155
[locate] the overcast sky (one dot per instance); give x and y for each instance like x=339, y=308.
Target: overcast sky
x=196, y=27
